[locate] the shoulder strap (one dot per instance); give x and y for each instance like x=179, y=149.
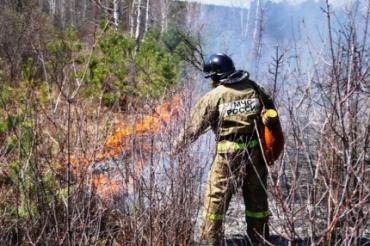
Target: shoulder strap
x=258, y=91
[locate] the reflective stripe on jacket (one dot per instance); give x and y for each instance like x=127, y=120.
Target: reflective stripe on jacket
x=228, y=109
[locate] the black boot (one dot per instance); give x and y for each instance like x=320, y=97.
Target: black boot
x=258, y=231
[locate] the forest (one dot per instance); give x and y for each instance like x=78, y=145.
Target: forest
x=93, y=94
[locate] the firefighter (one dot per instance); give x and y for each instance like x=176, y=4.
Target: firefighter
x=232, y=109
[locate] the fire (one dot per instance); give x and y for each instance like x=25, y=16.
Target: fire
x=106, y=177
x=150, y=124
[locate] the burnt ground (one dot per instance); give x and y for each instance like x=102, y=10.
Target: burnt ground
x=235, y=229
x=239, y=240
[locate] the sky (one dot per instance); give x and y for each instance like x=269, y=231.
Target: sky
x=245, y=3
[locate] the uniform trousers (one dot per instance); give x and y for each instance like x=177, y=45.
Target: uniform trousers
x=243, y=169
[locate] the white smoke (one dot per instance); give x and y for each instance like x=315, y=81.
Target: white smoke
x=246, y=3
x=231, y=3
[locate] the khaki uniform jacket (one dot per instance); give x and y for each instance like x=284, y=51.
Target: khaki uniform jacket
x=229, y=110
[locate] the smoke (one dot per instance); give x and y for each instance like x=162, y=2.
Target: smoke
x=247, y=3
x=250, y=35
x=253, y=36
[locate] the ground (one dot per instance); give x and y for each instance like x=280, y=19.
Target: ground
x=235, y=227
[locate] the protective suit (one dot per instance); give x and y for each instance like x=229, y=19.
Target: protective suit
x=231, y=111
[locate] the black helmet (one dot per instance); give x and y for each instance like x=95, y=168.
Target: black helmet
x=218, y=66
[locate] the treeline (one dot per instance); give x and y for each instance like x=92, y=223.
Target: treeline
x=28, y=26
x=66, y=69
x=130, y=15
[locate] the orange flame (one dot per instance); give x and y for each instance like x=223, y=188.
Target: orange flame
x=108, y=183
x=150, y=124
